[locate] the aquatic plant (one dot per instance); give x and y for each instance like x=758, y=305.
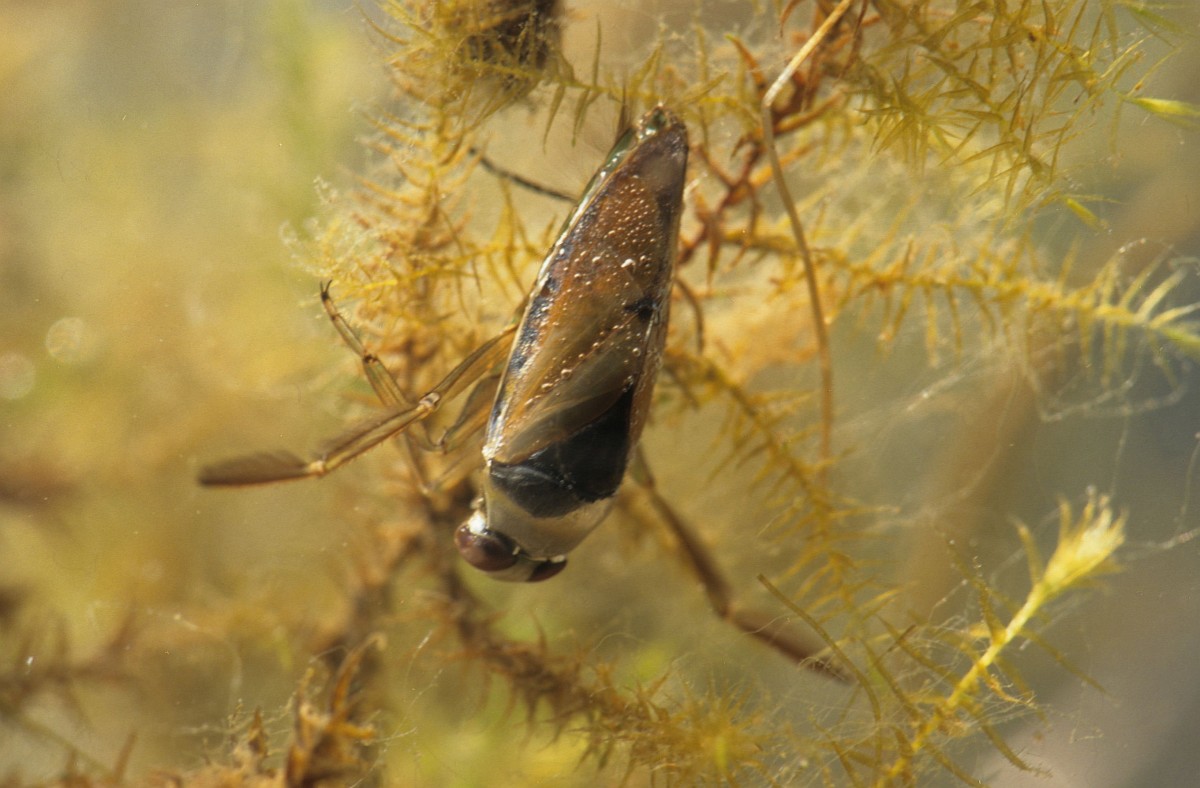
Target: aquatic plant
x=878, y=294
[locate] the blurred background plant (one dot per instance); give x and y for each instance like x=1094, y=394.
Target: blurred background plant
x=998, y=201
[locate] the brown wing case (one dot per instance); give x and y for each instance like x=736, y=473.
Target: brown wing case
x=594, y=327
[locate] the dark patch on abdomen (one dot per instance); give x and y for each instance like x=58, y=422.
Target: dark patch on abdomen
x=585, y=467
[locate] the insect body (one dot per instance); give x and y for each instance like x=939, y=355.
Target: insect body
x=576, y=388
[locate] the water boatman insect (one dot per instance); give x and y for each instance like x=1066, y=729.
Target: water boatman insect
x=575, y=390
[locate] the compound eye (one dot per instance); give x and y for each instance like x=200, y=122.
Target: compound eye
x=485, y=550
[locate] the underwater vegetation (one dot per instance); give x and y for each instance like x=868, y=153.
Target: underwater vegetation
x=913, y=498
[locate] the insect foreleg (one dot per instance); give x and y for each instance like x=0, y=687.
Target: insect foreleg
x=390, y=393
x=483, y=359
x=473, y=416
x=276, y=466
x=385, y=385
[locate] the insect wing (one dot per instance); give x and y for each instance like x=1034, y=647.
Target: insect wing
x=596, y=321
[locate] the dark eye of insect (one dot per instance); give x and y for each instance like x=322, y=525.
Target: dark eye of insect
x=489, y=550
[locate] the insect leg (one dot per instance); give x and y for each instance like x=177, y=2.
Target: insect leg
x=484, y=358
x=471, y=420
x=768, y=628
x=473, y=417
x=525, y=183
x=275, y=466
x=386, y=387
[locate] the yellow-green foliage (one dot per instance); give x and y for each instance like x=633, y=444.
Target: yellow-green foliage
x=940, y=158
